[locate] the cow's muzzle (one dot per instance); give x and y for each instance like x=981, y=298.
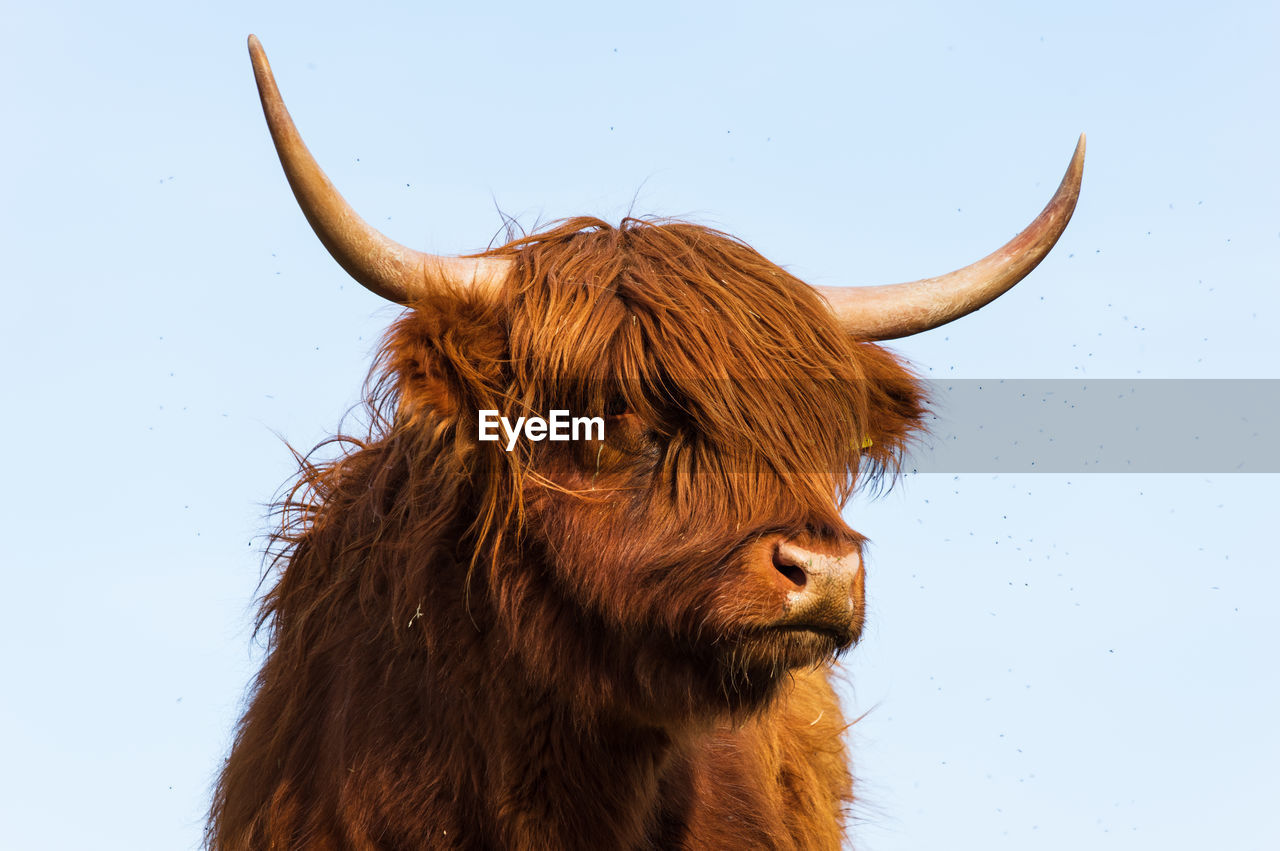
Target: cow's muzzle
x=824, y=590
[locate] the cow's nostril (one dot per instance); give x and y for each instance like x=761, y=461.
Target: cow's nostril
x=793, y=572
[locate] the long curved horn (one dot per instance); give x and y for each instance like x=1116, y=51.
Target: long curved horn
x=383, y=265
x=899, y=310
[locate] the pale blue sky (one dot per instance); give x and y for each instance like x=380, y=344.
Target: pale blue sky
x=1053, y=662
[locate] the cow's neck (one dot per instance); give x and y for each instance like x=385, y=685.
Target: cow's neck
x=560, y=782
x=550, y=769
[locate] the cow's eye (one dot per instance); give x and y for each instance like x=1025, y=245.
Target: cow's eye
x=616, y=406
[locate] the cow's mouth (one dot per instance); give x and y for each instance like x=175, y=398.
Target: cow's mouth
x=793, y=645
x=842, y=637
x=809, y=644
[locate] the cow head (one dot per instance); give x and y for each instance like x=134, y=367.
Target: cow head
x=697, y=552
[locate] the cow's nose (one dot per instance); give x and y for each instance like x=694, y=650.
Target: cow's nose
x=824, y=591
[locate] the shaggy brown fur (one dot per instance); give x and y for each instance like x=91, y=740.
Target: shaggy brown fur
x=565, y=646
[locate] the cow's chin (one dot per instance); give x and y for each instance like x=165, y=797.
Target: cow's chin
x=754, y=668
x=781, y=649
x=795, y=647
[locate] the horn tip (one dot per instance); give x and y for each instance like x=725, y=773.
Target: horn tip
x=261, y=67
x=1070, y=186
x=257, y=55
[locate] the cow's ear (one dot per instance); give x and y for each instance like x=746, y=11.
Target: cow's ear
x=896, y=406
x=446, y=358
